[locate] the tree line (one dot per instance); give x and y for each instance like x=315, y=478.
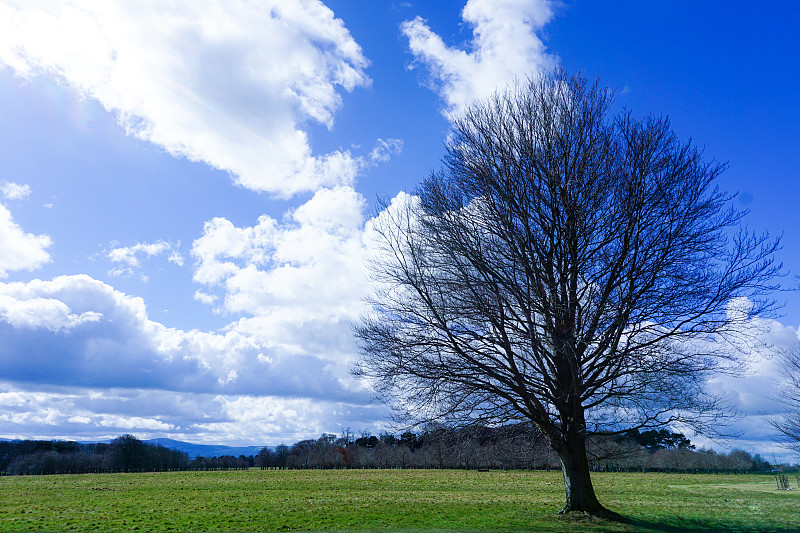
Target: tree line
x=513, y=447
x=124, y=454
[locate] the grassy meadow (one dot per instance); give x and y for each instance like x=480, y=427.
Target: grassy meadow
x=387, y=500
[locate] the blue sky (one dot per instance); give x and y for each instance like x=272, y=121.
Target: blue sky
x=185, y=192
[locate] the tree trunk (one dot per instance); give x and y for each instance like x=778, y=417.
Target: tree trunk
x=577, y=481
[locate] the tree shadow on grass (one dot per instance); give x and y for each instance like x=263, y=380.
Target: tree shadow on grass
x=678, y=525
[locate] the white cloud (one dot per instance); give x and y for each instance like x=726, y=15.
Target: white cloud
x=77, y=331
x=298, y=283
x=46, y=313
x=134, y=422
x=755, y=395
x=229, y=84
x=14, y=191
x=128, y=256
x=203, y=297
x=289, y=420
x=85, y=414
x=20, y=250
x=175, y=257
x=307, y=267
x=384, y=149
x=505, y=46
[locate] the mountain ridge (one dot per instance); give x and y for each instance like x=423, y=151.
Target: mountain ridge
x=205, y=450
x=191, y=449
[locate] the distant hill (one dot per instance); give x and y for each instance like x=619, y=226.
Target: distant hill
x=193, y=450
x=205, y=450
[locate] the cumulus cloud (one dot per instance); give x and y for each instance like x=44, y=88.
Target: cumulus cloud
x=280, y=369
x=77, y=331
x=308, y=266
x=84, y=414
x=46, y=313
x=80, y=413
x=296, y=283
x=20, y=250
x=504, y=47
x=14, y=191
x=754, y=394
x=287, y=421
x=229, y=84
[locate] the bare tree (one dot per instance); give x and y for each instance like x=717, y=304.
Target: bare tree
x=788, y=425
x=567, y=268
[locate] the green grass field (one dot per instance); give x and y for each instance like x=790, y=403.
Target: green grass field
x=388, y=500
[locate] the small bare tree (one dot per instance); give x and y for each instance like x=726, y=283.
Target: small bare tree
x=566, y=268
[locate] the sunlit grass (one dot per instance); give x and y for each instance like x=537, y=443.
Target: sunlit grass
x=387, y=500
